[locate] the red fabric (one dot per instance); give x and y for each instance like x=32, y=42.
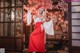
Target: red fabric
x=36, y=40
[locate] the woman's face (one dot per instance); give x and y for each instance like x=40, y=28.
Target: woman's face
x=40, y=12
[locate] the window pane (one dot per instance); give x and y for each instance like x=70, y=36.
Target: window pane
x=2, y=3
x=19, y=29
x=75, y=15
x=75, y=3
x=13, y=2
x=9, y=29
x=18, y=3
x=6, y=29
x=6, y=3
x=12, y=14
x=1, y=29
x=9, y=3
x=75, y=35
x=75, y=43
x=75, y=8
x=12, y=29
x=2, y=13
x=18, y=14
x=6, y=15
x=75, y=29
x=75, y=22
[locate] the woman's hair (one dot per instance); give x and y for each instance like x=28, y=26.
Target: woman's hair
x=40, y=10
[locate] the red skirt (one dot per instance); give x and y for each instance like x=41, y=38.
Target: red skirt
x=36, y=39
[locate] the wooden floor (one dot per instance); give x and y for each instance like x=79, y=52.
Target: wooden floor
x=23, y=52
x=26, y=51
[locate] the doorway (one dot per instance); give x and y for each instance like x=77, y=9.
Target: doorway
x=11, y=25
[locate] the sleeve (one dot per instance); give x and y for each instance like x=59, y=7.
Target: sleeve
x=29, y=19
x=48, y=27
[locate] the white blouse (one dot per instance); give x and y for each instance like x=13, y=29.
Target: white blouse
x=37, y=20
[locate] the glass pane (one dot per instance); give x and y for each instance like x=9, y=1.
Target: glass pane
x=75, y=8
x=19, y=29
x=12, y=29
x=9, y=3
x=75, y=43
x=2, y=14
x=2, y=3
x=13, y=2
x=6, y=29
x=1, y=29
x=6, y=3
x=75, y=3
x=75, y=15
x=12, y=14
x=75, y=22
x=18, y=14
x=75, y=35
x=18, y=3
x=8, y=14
x=75, y=29
x=9, y=29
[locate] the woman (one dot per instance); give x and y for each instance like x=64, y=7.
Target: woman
x=36, y=40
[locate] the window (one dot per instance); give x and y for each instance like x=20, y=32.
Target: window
x=11, y=23
x=75, y=24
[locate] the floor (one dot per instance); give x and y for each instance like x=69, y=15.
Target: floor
x=26, y=51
